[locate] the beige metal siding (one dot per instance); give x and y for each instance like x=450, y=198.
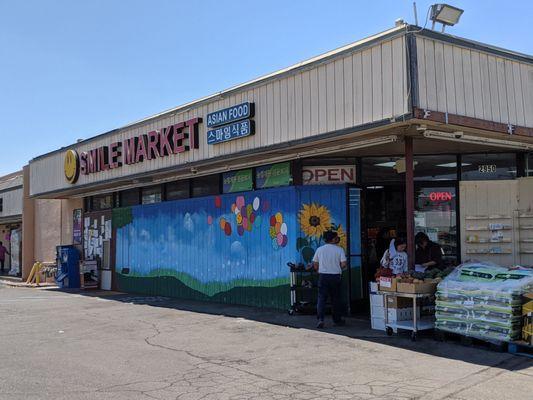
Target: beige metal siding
x=474, y=83
x=12, y=202
x=356, y=87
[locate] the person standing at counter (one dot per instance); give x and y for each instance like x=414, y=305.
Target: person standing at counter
x=329, y=260
x=428, y=254
x=395, y=257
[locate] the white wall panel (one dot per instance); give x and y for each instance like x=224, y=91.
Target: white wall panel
x=474, y=83
x=345, y=90
x=11, y=202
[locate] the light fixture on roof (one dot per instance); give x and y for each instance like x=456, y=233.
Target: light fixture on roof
x=445, y=14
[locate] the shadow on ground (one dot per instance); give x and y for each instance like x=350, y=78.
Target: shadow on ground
x=356, y=328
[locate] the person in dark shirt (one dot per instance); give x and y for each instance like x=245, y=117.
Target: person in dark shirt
x=428, y=254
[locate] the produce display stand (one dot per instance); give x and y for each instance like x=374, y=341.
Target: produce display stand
x=413, y=326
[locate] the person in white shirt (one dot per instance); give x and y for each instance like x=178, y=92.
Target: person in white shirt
x=395, y=257
x=329, y=260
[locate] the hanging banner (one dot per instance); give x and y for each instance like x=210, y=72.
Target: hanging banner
x=273, y=175
x=237, y=181
x=328, y=174
x=77, y=230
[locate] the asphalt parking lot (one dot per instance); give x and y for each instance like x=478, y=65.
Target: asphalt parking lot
x=58, y=345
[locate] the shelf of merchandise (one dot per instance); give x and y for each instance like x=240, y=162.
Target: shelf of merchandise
x=481, y=217
x=484, y=246
x=489, y=253
x=488, y=241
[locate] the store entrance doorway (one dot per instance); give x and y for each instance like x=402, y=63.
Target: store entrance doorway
x=383, y=218
x=383, y=214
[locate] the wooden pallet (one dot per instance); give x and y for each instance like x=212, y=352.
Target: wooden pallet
x=488, y=344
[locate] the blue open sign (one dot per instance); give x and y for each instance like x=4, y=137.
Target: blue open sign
x=236, y=130
x=231, y=114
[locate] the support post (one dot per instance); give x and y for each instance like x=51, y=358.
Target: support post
x=410, y=201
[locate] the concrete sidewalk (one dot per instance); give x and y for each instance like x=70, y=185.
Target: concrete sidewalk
x=121, y=346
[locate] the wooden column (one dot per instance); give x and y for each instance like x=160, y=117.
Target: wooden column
x=410, y=200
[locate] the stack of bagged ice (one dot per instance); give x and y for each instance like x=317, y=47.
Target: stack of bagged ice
x=483, y=300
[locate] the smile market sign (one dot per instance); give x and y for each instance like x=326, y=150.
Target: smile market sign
x=228, y=124
x=174, y=139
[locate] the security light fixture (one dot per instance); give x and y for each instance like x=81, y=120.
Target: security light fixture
x=445, y=14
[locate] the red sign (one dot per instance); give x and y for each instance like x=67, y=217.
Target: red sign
x=440, y=196
x=327, y=175
x=173, y=139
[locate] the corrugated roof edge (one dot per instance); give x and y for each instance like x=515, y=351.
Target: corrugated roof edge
x=396, y=31
x=12, y=175
x=471, y=44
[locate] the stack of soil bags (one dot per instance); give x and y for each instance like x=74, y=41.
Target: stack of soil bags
x=483, y=300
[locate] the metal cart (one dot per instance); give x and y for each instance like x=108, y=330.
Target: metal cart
x=415, y=325
x=297, y=274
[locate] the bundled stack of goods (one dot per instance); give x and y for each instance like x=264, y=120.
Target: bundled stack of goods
x=483, y=300
x=527, y=318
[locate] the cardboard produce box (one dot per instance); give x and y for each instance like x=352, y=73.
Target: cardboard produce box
x=421, y=287
x=399, y=302
x=388, y=284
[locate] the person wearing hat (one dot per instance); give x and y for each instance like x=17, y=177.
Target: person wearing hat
x=329, y=260
x=428, y=254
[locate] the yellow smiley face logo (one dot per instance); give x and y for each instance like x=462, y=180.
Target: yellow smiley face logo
x=72, y=166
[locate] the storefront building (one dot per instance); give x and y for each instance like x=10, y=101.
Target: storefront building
x=212, y=199
x=11, y=220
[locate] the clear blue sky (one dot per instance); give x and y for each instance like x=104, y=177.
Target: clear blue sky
x=74, y=69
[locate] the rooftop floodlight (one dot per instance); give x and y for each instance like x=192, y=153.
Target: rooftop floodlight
x=445, y=14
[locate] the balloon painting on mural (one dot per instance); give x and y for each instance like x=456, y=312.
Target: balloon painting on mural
x=278, y=231
x=245, y=215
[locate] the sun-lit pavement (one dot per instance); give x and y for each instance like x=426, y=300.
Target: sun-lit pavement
x=69, y=346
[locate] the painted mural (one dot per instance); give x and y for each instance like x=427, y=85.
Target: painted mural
x=231, y=248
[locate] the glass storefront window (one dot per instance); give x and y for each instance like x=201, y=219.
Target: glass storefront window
x=129, y=197
x=435, y=168
x=435, y=215
x=177, y=190
x=102, y=202
x=529, y=165
x=488, y=166
x=151, y=194
x=382, y=169
x=206, y=185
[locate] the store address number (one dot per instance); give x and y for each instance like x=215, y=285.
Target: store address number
x=487, y=168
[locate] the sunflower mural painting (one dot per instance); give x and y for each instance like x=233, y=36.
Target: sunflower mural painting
x=325, y=211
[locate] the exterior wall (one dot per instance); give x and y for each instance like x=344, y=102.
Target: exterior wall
x=468, y=82
x=231, y=248
x=28, y=227
x=355, y=87
x=47, y=225
x=67, y=209
x=11, y=194
x=12, y=203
